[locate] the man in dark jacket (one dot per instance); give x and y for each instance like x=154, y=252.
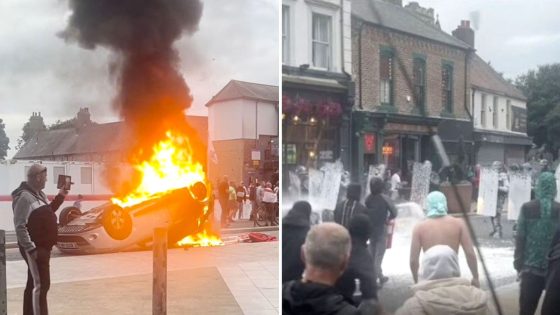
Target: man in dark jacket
x=381, y=210
x=223, y=198
x=537, y=223
x=36, y=231
x=295, y=226
x=325, y=252
x=346, y=209
x=551, y=303
x=360, y=269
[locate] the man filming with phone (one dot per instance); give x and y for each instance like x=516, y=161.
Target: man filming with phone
x=36, y=229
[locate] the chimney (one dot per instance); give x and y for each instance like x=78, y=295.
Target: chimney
x=425, y=14
x=465, y=33
x=36, y=123
x=83, y=118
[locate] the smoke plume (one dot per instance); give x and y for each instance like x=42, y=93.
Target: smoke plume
x=152, y=94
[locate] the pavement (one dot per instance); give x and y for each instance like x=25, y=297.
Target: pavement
x=238, y=278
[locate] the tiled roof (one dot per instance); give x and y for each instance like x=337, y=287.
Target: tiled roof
x=97, y=138
x=398, y=18
x=246, y=90
x=485, y=77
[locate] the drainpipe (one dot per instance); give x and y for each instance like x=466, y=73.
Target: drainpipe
x=467, y=55
x=360, y=61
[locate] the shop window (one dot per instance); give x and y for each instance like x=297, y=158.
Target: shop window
x=386, y=77
x=419, y=80
x=508, y=115
x=321, y=40
x=289, y=153
x=447, y=87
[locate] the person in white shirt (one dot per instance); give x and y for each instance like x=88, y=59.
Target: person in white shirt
x=269, y=198
x=395, y=184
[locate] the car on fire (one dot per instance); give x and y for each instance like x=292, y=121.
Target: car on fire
x=110, y=228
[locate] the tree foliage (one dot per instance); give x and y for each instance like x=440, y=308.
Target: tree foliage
x=29, y=132
x=542, y=88
x=4, y=141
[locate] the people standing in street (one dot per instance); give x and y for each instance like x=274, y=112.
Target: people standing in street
x=36, y=229
x=537, y=223
x=240, y=194
x=269, y=199
x=232, y=200
x=441, y=229
x=223, y=198
x=295, y=226
x=346, y=209
x=395, y=184
x=381, y=211
x=503, y=188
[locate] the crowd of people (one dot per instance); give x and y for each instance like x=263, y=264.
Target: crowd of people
x=235, y=199
x=335, y=267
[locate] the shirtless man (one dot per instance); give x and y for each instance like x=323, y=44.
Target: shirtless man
x=441, y=229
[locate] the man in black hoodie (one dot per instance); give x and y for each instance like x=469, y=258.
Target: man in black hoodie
x=346, y=209
x=36, y=231
x=381, y=209
x=360, y=269
x=295, y=226
x=326, y=252
x=551, y=303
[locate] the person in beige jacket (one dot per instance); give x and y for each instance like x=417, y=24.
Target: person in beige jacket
x=441, y=291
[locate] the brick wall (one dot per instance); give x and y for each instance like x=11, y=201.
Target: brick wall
x=405, y=46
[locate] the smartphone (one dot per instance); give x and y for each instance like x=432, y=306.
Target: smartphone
x=64, y=181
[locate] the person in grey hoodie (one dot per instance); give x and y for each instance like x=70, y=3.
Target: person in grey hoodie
x=36, y=231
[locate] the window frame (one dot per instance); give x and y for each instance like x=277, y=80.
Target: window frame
x=329, y=43
x=447, y=89
x=420, y=61
x=387, y=52
x=483, y=110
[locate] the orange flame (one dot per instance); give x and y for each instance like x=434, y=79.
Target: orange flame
x=170, y=167
x=201, y=239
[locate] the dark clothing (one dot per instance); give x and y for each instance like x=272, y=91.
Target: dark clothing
x=38, y=276
x=37, y=214
x=36, y=229
x=314, y=299
x=531, y=245
x=252, y=193
x=359, y=267
x=295, y=226
x=380, y=209
x=347, y=209
x=223, y=190
x=530, y=292
x=551, y=303
x=240, y=193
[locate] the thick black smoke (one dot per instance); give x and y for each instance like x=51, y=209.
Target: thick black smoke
x=152, y=94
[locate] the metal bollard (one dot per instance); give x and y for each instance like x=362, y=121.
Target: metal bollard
x=3, y=291
x=159, y=289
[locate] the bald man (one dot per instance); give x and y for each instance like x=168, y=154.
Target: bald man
x=441, y=229
x=325, y=253
x=36, y=231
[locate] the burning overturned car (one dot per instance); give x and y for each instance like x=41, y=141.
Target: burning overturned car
x=170, y=193
x=110, y=227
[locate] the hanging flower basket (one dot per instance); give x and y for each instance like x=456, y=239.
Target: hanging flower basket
x=329, y=110
x=288, y=106
x=304, y=108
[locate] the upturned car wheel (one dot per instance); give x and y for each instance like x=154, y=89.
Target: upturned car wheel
x=68, y=214
x=117, y=222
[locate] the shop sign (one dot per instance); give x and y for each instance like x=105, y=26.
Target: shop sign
x=387, y=150
x=256, y=155
x=369, y=143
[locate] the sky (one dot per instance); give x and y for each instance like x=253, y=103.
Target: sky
x=40, y=72
x=514, y=35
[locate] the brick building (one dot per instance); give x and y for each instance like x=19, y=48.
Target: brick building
x=411, y=80
x=243, y=130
